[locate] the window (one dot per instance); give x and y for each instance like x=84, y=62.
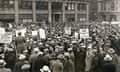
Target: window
x=103, y=6
x=70, y=17
x=6, y=4
x=42, y=17
x=25, y=18
x=56, y=6
x=104, y=17
x=112, y=6
x=112, y=17
x=70, y=6
x=81, y=17
x=82, y=7
x=41, y=5
x=25, y=4
x=6, y=16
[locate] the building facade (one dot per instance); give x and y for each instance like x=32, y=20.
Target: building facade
x=44, y=10
x=109, y=10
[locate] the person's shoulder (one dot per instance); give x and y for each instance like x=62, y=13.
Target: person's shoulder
x=7, y=70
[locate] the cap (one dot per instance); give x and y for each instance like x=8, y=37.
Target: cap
x=45, y=68
x=22, y=57
x=107, y=58
x=2, y=62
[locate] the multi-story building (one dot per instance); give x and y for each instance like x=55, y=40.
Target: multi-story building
x=109, y=10
x=44, y=10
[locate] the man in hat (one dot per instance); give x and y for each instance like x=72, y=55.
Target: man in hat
x=2, y=66
x=68, y=64
x=19, y=63
x=72, y=56
x=33, y=57
x=20, y=43
x=112, y=52
x=57, y=65
x=10, y=58
x=47, y=54
x=80, y=54
x=108, y=66
x=40, y=62
x=45, y=69
x=89, y=56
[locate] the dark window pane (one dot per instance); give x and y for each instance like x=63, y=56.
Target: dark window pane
x=6, y=4
x=82, y=7
x=112, y=6
x=25, y=5
x=42, y=17
x=56, y=6
x=41, y=5
x=70, y=6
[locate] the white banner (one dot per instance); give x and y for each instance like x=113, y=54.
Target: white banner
x=84, y=33
x=42, y=33
x=6, y=38
x=2, y=30
x=34, y=33
x=67, y=30
x=22, y=31
x=76, y=35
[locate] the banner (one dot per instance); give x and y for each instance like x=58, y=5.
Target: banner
x=6, y=38
x=84, y=33
x=76, y=35
x=22, y=31
x=2, y=30
x=42, y=33
x=34, y=33
x=67, y=30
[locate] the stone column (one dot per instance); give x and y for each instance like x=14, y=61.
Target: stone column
x=49, y=12
x=63, y=12
x=34, y=10
x=16, y=12
x=87, y=12
x=76, y=12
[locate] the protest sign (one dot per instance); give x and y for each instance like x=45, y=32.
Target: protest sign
x=22, y=31
x=67, y=30
x=34, y=33
x=84, y=33
x=6, y=38
x=2, y=30
x=76, y=35
x=42, y=33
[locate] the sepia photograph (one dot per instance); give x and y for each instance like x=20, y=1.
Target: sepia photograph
x=59, y=35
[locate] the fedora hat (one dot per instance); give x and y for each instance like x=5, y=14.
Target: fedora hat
x=107, y=57
x=111, y=51
x=45, y=69
x=22, y=57
x=2, y=62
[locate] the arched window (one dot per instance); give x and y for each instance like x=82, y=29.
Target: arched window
x=112, y=6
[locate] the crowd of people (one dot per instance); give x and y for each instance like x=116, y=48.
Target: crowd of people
x=61, y=53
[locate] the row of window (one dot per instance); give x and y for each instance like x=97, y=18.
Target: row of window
x=40, y=5
x=111, y=18
x=43, y=17
x=6, y=4
x=107, y=6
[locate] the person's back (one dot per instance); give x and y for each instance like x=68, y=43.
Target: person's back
x=39, y=63
x=20, y=43
x=109, y=67
x=5, y=70
x=69, y=66
x=2, y=66
x=19, y=40
x=57, y=66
